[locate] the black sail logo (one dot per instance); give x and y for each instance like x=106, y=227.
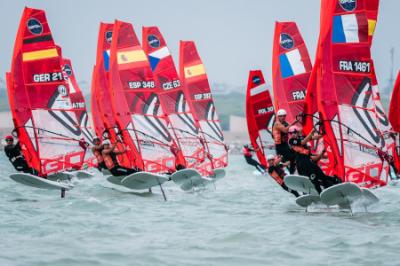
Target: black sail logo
x=360, y=101
x=152, y=109
x=212, y=119
x=181, y=109
x=63, y=117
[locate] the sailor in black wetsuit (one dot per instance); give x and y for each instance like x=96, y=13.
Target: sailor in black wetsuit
x=110, y=159
x=14, y=154
x=307, y=163
x=280, y=134
x=276, y=171
x=248, y=156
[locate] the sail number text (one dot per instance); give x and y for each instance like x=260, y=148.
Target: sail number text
x=48, y=77
x=355, y=66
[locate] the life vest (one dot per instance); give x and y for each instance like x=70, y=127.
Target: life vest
x=246, y=152
x=276, y=177
x=110, y=160
x=98, y=155
x=279, y=136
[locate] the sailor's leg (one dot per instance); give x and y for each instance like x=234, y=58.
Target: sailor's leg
x=294, y=192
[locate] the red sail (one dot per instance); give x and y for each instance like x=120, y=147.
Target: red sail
x=394, y=118
x=98, y=124
x=346, y=94
x=260, y=115
x=197, y=91
x=43, y=115
x=136, y=105
x=291, y=67
x=394, y=109
x=172, y=98
x=311, y=105
x=101, y=94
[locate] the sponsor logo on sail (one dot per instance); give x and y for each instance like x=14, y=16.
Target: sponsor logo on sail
x=34, y=26
x=256, y=80
x=62, y=90
x=348, y=5
x=153, y=41
x=67, y=69
x=109, y=36
x=286, y=41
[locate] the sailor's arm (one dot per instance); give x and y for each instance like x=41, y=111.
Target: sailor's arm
x=317, y=157
x=308, y=138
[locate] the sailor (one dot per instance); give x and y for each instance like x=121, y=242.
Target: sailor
x=248, y=156
x=277, y=172
x=14, y=154
x=280, y=134
x=306, y=162
x=110, y=153
x=97, y=152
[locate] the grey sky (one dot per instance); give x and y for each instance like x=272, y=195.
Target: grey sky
x=232, y=36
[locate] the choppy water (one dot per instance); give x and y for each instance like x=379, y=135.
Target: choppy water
x=247, y=220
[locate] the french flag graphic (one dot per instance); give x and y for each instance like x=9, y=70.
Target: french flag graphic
x=291, y=64
x=106, y=58
x=155, y=57
x=350, y=28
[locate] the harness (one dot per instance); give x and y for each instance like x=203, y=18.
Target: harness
x=110, y=160
x=98, y=155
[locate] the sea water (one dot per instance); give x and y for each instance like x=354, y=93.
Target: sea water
x=245, y=220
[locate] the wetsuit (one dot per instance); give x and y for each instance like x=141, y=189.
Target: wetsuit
x=15, y=156
x=110, y=161
x=277, y=173
x=282, y=147
x=307, y=167
x=99, y=157
x=249, y=159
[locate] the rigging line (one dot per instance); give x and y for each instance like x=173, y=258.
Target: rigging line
x=185, y=131
x=345, y=126
x=214, y=138
x=49, y=131
x=147, y=135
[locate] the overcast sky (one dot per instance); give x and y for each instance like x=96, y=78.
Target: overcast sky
x=232, y=36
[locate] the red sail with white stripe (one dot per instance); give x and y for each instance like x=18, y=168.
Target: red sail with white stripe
x=79, y=105
x=44, y=118
x=106, y=126
x=291, y=68
x=260, y=116
x=172, y=98
x=136, y=104
x=347, y=94
x=197, y=91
